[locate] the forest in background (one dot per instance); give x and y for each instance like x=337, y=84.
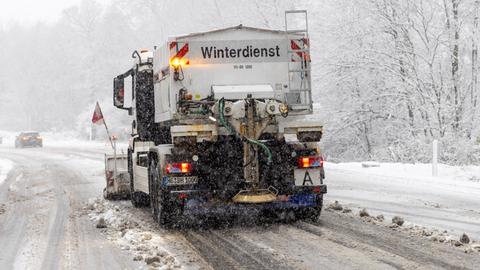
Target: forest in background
x=389, y=76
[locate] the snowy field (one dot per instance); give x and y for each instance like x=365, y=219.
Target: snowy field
x=450, y=201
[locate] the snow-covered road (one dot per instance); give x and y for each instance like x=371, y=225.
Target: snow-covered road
x=47, y=221
x=450, y=201
x=41, y=225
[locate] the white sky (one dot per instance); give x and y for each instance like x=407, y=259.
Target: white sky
x=27, y=12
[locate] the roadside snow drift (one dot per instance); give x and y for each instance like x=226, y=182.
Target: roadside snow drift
x=133, y=229
x=450, y=201
x=5, y=167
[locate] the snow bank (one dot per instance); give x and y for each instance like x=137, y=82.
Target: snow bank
x=5, y=167
x=412, y=171
x=450, y=201
x=133, y=230
x=412, y=230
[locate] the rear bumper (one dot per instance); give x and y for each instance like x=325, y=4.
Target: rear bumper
x=197, y=203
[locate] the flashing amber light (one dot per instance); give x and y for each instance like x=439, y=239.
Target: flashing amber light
x=185, y=167
x=176, y=62
x=305, y=162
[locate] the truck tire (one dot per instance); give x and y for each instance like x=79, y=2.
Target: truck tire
x=160, y=212
x=136, y=199
x=134, y=196
x=310, y=213
x=152, y=185
x=106, y=195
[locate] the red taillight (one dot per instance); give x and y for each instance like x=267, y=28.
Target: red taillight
x=310, y=162
x=180, y=167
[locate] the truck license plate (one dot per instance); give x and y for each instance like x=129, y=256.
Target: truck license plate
x=182, y=180
x=307, y=177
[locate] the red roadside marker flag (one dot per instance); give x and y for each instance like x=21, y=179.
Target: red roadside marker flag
x=97, y=117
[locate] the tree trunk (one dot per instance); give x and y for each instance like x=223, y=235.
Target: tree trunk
x=474, y=87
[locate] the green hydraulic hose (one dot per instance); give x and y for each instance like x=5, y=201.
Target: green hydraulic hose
x=221, y=106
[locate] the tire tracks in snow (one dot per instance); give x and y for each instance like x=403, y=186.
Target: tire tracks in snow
x=354, y=233
x=224, y=251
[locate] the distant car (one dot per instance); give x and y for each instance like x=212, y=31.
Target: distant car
x=28, y=139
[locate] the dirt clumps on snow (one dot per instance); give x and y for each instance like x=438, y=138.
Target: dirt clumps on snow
x=335, y=206
x=363, y=213
x=370, y=164
x=398, y=224
x=147, y=236
x=398, y=220
x=151, y=260
x=393, y=225
x=464, y=239
x=101, y=224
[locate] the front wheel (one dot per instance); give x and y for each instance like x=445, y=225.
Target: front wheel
x=135, y=199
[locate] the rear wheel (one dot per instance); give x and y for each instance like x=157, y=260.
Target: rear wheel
x=160, y=212
x=152, y=185
x=310, y=213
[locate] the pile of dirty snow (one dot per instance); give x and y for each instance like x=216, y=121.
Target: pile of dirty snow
x=133, y=230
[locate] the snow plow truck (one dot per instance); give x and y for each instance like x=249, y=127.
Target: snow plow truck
x=219, y=125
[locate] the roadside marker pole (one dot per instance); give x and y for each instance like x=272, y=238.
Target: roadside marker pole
x=90, y=133
x=115, y=157
x=435, y=158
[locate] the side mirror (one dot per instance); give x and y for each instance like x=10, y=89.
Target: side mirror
x=118, y=93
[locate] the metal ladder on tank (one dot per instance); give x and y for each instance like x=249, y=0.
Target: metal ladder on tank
x=299, y=97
